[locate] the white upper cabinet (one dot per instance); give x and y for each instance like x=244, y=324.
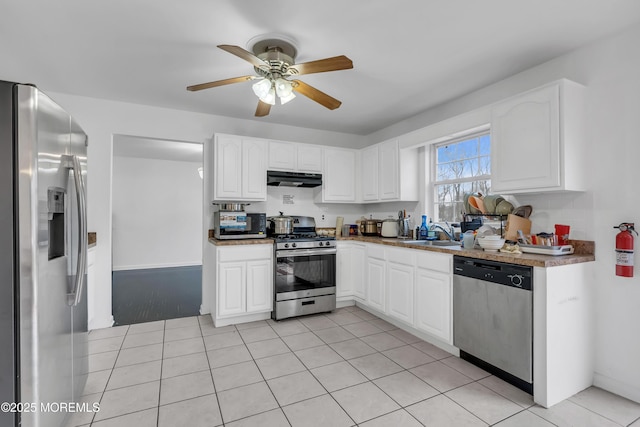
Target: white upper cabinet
x=389, y=173
x=292, y=156
x=309, y=158
x=282, y=156
x=240, y=168
x=369, y=159
x=339, y=175
x=389, y=170
x=537, y=140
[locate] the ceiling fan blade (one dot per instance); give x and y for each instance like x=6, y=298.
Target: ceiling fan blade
x=321, y=65
x=244, y=54
x=263, y=109
x=221, y=83
x=316, y=95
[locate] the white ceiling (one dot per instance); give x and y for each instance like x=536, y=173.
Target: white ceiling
x=408, y=55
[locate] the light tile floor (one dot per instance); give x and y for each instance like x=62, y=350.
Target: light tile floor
x=341, y=369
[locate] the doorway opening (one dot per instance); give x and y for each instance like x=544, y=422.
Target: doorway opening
x=156, y=229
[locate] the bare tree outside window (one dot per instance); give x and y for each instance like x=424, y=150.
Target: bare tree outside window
x=461, y=166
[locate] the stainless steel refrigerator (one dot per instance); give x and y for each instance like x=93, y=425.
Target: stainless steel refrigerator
x=43, y=253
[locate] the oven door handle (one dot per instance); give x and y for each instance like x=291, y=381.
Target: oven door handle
x=305, y=252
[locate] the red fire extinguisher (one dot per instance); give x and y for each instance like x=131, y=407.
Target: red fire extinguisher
x=624, y=249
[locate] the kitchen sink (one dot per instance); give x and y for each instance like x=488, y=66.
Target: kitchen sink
x=439, y=243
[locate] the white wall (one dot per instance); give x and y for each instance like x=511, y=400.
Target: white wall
x=102, y=120
x=609, y=69
x=157, y=213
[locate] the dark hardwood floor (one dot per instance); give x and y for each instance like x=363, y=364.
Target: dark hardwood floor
x=156, y=294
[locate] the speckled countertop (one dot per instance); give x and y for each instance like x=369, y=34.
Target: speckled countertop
x=584, y=252
x=232, y=242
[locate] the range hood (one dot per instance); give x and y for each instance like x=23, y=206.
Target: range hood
x=293, y=179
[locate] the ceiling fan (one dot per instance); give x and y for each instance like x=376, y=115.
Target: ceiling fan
x=273, y=60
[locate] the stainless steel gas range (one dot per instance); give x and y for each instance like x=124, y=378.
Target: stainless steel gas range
x=305, y=271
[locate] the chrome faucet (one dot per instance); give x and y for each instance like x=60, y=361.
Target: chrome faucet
x=448, y=231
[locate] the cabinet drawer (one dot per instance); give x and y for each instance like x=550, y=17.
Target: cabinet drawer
x=245, y=252
x=402, y=256
x=375, y=251
x=435, y=261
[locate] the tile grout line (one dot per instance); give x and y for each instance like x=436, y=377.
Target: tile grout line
x=215, y=389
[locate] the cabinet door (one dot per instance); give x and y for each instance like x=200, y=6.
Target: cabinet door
x=525, y=142
x=282, y=156
x=231, y=288
x=433, y=303
x=259, y=286
x=400, y=298
x=369, y=157
x=228, y=173
x=309, y=158
x=388, y=171
x=345, y=270
x=358, y=260
x=339, y=179
x=254, y=171
x=375, y=283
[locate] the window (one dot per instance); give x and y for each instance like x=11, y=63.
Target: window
x=460, y=166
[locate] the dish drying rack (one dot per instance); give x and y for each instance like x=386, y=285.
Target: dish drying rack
x=502, y=218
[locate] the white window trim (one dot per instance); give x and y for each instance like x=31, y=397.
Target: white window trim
x=460, y=136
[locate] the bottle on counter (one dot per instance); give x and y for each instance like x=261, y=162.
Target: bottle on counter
x=424, y=230
x=431, y=232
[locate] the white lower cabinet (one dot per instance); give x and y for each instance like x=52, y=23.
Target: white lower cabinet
x=375, y=277
x=375, y=283
x=244, y=282
x=412, y=286
x=349, y=271
x=433, y=295
x=232, y=279
x=400, y=284
x=259, y=295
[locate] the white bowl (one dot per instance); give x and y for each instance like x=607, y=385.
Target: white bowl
x=490, y=244
x=492, y=237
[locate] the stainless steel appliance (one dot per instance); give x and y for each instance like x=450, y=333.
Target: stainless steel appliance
x=280, y=224
x=305, y=271
x=293, y=179
x=370, y=227
x=43, y=298
x=239, y=225
x=493, y=318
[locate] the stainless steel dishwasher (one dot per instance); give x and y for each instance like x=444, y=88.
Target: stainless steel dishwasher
x=493, y=318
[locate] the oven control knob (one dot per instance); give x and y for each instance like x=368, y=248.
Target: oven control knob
x=286, y=245
x=293, y=245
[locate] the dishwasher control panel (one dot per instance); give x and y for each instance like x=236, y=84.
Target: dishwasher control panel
x=517, y=276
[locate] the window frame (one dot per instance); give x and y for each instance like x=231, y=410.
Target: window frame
x=433, y=165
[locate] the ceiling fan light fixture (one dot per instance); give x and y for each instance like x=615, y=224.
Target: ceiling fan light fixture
x=262, y=88
x=270, y=97
x=283, y=87
x=285, y=99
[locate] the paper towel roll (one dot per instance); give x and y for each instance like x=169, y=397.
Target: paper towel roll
x=339, y=222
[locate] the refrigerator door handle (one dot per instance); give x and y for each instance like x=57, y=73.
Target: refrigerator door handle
x=73, y=164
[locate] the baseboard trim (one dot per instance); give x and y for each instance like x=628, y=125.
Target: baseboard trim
x=106, y=322
x=204, y=310
x=631, y=392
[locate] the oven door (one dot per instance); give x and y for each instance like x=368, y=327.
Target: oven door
x=301, y=273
